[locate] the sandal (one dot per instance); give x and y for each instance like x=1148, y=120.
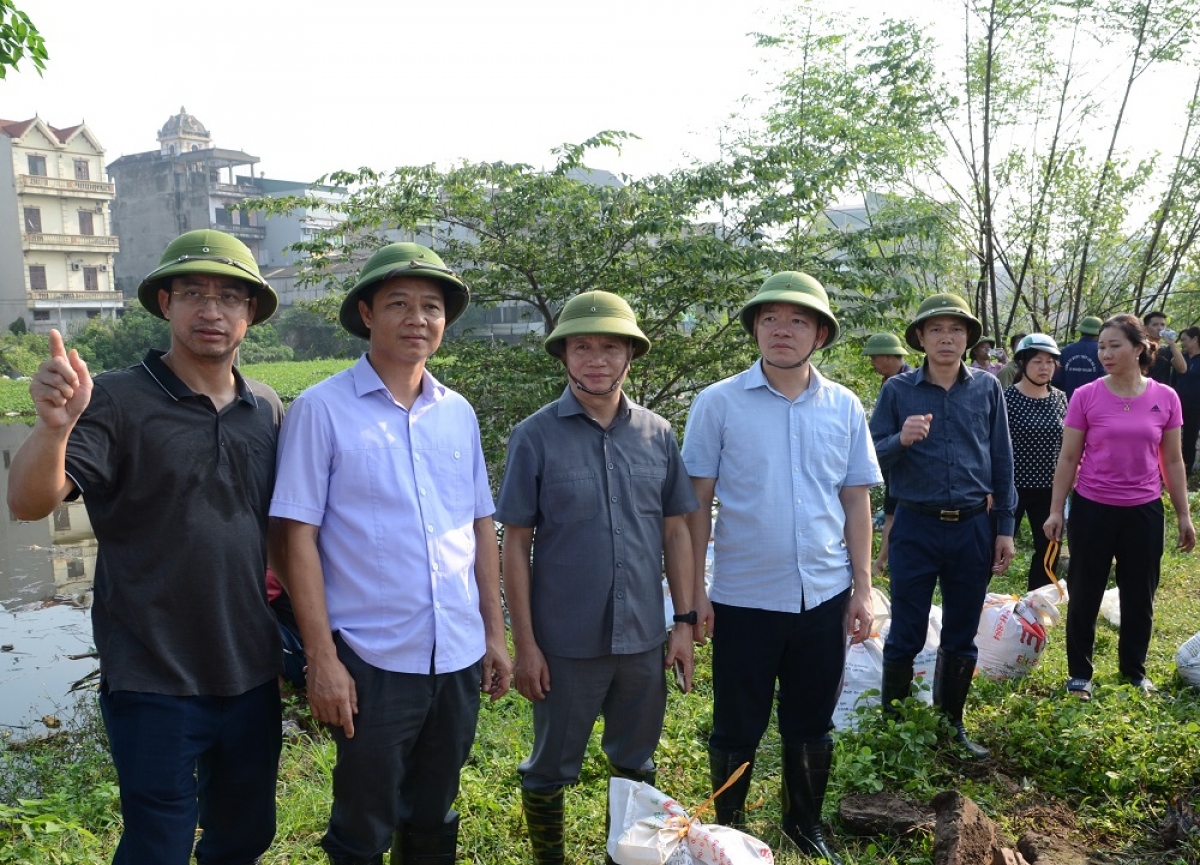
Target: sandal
x=1081, y=689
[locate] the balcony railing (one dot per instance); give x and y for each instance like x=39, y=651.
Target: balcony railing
x=39, y=182
x=42, y=299
x=106, y=242
x=245, y=232
x=236, y=189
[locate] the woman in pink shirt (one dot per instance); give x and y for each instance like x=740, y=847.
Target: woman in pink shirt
x=1122, y=437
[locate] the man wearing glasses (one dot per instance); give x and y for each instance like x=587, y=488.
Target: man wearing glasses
x=393, y=566
x=174, y=458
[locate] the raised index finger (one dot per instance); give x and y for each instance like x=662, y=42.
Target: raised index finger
x=57, y=349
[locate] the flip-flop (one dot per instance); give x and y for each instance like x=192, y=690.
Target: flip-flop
x=1081, y=689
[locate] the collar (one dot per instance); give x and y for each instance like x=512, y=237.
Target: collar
x=755, y=377
x=964, y=372
x=165, y=378
x=569, y=404
x=367, y=380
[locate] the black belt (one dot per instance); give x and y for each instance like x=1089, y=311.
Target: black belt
x=943, y=514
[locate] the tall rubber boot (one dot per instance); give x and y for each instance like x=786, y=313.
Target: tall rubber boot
x=427, y=845
x=544, y=818
x=951, y=684
x=730, y=805
x=897, y=685
x=805, y=777
x=646, y=776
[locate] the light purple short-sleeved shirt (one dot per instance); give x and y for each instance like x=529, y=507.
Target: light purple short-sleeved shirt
x=395, y=493
x=779, y=467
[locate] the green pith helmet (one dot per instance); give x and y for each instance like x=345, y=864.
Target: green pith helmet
x=596, y=312
x=943, y=304
x=403, y=259
x=984, y=340
x=797, y=288
x=1090, y=325
x=884, y=343
x=213, y=252
x=1036, y=342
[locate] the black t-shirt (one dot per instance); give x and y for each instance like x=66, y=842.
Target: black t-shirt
x=1161, y=370
x=178, y=497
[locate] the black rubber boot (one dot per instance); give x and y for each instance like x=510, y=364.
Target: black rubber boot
x=730, y=805
x=805, y=777
x=544, y=818
x=951, y=684
x=897, y=685
x=427, y=845
x=646, y=776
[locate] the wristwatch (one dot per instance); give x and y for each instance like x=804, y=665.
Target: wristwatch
x=689, y=618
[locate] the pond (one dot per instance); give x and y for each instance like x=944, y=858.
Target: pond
x=46, y=571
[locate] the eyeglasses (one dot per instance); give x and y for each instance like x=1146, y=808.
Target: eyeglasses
x=230, y=301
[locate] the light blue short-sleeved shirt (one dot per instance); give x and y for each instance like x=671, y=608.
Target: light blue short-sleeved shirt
x=395, y=493
x=779, y=466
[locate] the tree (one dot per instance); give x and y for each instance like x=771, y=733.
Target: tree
x=19, y=39
x=107, y=344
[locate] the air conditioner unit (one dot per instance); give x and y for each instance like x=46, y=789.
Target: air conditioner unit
x=75, y=265
x=104, y=268
x=100, y=207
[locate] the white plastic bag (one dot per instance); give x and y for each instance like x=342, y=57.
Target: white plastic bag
x=1045, y=600
x=1187, y=659
x=864, y=672
x=925, y=662
x=648, y=827
x=1110, y=607
x=1010, y=638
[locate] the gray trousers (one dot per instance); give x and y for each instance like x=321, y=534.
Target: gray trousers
x=629, y=691
x=412, y=736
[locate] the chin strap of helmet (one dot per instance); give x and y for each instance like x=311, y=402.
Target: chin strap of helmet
x=795, y=365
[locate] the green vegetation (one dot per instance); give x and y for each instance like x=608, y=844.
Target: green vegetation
x=1104, y=773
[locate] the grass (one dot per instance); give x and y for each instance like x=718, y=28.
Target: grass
x=1104, y=773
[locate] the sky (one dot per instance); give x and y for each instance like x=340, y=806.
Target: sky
x=314, y=87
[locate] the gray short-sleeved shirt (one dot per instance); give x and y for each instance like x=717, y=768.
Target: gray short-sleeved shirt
x=596, y=499
x=177, y=494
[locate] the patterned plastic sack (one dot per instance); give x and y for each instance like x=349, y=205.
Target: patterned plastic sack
x=1011, y=637
x=648, y=827
x=1187, y=659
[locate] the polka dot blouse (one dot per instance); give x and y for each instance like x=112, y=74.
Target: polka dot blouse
x=1036, y=428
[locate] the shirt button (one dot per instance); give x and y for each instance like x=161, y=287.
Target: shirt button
x=610, y=467
x=422, y=491
x=435, y=566
x=456, y=454
x=437, y=605
x=429, y=528
x=620, y=565
x=416, y=458
x=612, y=499
x=620, y=595
x=618, y=531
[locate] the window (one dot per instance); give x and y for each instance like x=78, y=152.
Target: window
x=81, y=169
x=37, y=282
x=91, y=279
x=85, y=222
x=33, y=220
x=37, y=164
x=41, y=315
x=62, y=519
x=223, y=216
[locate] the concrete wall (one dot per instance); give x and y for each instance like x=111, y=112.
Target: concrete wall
x=145, y=217
x=12, y=262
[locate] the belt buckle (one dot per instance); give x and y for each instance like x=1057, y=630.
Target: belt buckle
x=949, y=516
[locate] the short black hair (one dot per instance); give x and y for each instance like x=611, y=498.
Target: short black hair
x=1154, y=313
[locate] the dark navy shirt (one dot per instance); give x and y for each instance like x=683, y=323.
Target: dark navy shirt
x=1077, y=365
x=967, y=454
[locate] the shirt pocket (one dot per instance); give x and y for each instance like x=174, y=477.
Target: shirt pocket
x=571, y=495
x=830, y=459
x=645, y=489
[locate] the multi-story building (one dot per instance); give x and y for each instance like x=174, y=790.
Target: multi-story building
x=57, y=247
x=184, y=185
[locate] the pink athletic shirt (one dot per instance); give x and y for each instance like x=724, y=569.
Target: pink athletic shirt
x=1120, y=448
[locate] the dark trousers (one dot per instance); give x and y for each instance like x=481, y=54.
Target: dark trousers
x=412, y=736
x=1097, y=534
x=927, y=552
x=1191, y=429
x=183, y=761
x=805, y=652
x=1036, y=504
x=629, y=691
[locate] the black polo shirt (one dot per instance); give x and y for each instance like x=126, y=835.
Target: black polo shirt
x=178, y=495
